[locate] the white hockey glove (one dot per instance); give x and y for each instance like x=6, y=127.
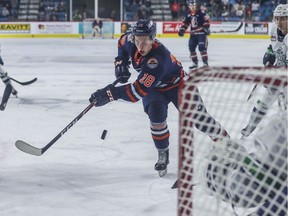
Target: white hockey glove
x=4, y=76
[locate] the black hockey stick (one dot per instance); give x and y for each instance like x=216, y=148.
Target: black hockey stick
x=24, y=83
x=220, y=31
x=176, y=184
x=252, y=92
x=229, y=31
x=5, y=98
x=25, y=147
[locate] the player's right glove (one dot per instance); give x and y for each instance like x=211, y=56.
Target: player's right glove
x=181, y=32
x=104, y=96
x=121, y=70
x=207, y=30
x=269, y=57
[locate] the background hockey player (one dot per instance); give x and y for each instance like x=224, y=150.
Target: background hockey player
x=276, y=55
x=157, y=84
x=8, y=88
x=258, y=179
x=97, y=28
x=199, y=24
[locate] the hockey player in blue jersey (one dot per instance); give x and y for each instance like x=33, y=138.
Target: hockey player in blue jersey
x=199, y=23
x=8, y=88
x=157, y=84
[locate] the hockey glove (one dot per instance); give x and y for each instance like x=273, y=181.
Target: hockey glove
x=104, y=96
x=181, y=32
x=4, y=77
x=207, y=30
x=121, y=70
x=269, y=57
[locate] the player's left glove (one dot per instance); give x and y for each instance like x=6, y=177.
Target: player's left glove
x=4, y=76
x=104, y=96
x=269, y=57
x=181, y=32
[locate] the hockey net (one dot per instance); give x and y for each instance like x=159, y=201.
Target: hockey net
x=106, y=32
x=235, y=175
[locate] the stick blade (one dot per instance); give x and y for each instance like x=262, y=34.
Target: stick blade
x=30, y=82
x=24, y=83
x=27, y=148
x=176, y=184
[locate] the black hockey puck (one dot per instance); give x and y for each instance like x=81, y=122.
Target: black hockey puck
x=104, y=134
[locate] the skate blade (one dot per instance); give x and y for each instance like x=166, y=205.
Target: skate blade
x=162, y=173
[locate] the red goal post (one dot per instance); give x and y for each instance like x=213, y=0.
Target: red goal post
x=224, y=91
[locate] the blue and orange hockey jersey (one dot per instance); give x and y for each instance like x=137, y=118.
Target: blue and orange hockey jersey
x=159, y=69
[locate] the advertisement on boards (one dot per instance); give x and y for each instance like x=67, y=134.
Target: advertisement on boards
x=53, y=28
x=256, y=28
x=14, y=28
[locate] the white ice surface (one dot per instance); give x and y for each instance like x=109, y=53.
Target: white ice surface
x=82, y=174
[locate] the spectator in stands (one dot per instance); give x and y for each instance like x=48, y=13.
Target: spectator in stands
x=53, y=16
x=225, y=2
x=231, y=3
x=248, y=13
x=239, y=7
x=41, y=14
x=204, y=8
x=134, y=9
x=149, y=11
x=255, y=8
x=216, y=9
x=60, y=7
x=112, y=15
x=232, y=12
x=14, y=12
x=128, y=13
x=84, y=12
x=266, y=9
x=141, y=11
x=5, y=12
x=77, y=16
x=225, y=12
x=182, y=11
x=175, y=10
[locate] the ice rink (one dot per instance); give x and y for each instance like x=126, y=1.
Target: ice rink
x=82, y=174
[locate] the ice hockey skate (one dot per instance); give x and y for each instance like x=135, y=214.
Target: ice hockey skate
x=193, y=66
x=248, y=130
x=2, y=107
x=205, y=64
x=163, y=161
x=14, y=92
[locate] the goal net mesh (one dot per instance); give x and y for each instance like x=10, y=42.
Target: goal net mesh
x=107, y=30
x=235, y=175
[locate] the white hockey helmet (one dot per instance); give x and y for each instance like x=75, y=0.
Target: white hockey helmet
x=281, y=10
